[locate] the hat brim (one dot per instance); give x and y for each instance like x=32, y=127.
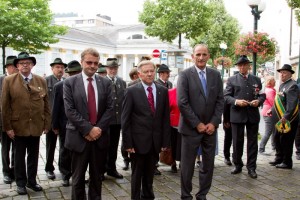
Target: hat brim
x=77, y=69
x=292, y=71
x=165, y=70
x=61, y=63
x=111, y=66
x=30, y=58
x=245, y=62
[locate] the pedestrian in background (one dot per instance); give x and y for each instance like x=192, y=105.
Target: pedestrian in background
x=26, y=115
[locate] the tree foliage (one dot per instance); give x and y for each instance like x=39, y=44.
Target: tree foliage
x=26, y=26
x=169, y=19
x=224, y=28
x=295, y=4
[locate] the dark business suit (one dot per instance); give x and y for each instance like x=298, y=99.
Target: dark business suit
x=167, y=84
x=59, y=122
x=284, y=142
x=239, y=87
x=195, y=108
x=227, y=131
x=146, y=133
x=51, y=137
x=84, y=152
x=118, y=88
x=6, y=144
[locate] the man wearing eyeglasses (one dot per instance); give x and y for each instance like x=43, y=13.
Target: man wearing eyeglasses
x=88, y=107
x=26, y=115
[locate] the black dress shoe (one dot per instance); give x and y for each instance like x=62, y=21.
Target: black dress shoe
x=51, y=175
x=236, y=170
x=283, y=166
x=227, y=161
x=65, y=183
x=102, y=177
x=21, y=190
x=7, y=180
x=252, y=173
x=274, y=163
x=115, y=174
x=126, y=165
x=35, y=187
x=157, y=172
x=174, y=168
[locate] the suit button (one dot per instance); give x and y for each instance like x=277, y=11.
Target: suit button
x=116, y=112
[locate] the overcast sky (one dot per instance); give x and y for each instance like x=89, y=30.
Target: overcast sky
x=126, y=11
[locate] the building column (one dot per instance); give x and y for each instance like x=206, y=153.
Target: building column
x=136, y=60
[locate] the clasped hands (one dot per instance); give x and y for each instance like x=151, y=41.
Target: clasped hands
x=208, y=128
x=94, y=134
x=131, y=150
x=244, y=103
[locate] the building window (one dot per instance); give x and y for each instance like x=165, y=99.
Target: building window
x=79, y=21
x=91, y=21
x=137, y=36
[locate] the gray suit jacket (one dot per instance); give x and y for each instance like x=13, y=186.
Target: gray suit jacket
x=75, y=102
x=194, y=106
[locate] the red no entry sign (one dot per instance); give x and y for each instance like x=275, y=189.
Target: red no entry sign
x=156, y=53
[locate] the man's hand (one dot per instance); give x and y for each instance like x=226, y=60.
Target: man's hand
x=88, y=137
x=56, y=131
x=95, y=133
x=241, y=103
x=45, y=131
x=201, y=128
x=226, y=124
x=210, y=128
x=254, y=103
x=283, y=120
x=131, y=150
x=164, y=149
x=11, y=134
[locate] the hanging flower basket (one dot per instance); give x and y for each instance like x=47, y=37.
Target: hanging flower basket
x=259, y=43
x=227, y=62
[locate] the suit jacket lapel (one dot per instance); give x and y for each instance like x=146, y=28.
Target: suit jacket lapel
x=209, y=82
x=80, y=85
x=196, y=77
x=144, y=95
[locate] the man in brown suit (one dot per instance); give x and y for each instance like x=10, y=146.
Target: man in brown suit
x=26, y=115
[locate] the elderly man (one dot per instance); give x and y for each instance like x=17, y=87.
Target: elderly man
x=285, y=113
x=26, y=115
x=164, y=75
x=57, y=68
x=118, y=86
x=101, y=70
x=243, y=93
x=7, y=142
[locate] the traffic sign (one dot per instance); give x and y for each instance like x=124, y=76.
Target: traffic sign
x=155, y=53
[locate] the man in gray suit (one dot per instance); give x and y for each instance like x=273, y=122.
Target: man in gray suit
x=88, y=107
x=200, y=101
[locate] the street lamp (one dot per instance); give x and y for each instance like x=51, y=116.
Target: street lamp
x=223, y=46
x=257, y=7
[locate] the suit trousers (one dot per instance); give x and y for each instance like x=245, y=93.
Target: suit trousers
x=143, y=166
x=284, y=144
x=95, y=158
x=297, y=141
x=7, y=145
x=30, y=144
x=238, y=130
x=176, y=144
x=64, y=161
x=114, y=136
x=190, y=145
x=227, y=141
x=51, y=139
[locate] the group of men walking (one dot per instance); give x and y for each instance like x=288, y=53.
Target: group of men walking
x=88, y=112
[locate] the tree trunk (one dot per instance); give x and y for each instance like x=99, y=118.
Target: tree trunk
x=179, y=40
x=3, y=58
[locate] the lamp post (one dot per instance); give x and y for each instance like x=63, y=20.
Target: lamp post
x=257, y=7
x=223, y=46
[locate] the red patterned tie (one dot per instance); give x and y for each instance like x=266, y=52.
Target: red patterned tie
x=91, y=102
x=151, y=99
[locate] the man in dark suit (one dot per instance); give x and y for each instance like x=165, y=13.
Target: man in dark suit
x=6, y=142
x=88, y=107
x=243, y=93
x=285, y=115
x=118, y=86
x=200, y=101
x=26, y=115
x=145, y=128
x=164, y=75
x=59, y=122
x=57, y=68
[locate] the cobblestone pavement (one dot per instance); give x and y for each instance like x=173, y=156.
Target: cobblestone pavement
x=271, y=183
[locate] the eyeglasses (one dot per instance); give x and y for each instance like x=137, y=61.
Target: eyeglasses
x=90, y=63
x=25, y=63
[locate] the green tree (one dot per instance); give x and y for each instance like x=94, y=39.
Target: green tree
x=224, y=28
x=169, y=19
x=295, y=4
x=26, y=26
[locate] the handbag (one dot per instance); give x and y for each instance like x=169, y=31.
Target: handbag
x=165, y=157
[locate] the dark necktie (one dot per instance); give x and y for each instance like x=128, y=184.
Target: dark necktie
x=26, y=79
x=27, y=84
x=91, y=102
x=151, y=99
x=203, y=81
